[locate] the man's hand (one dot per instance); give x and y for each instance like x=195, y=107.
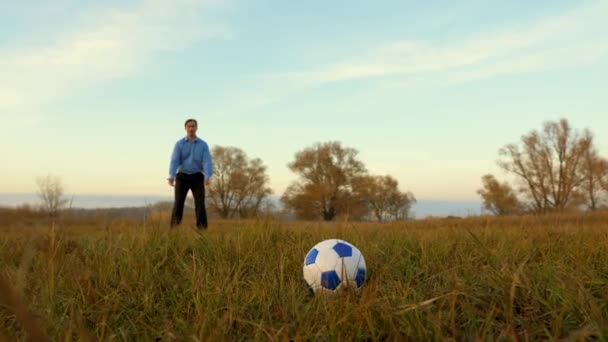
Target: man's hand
x=171, y=181
x=207, y=182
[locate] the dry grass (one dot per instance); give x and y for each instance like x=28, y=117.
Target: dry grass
x=489, y=279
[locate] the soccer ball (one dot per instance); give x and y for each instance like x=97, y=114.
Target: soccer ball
x=333, y=265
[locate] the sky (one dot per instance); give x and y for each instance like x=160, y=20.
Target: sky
x=97, y=91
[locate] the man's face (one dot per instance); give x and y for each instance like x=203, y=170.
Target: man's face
x=191, y=128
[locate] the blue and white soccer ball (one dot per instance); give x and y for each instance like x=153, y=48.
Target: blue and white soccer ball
x=333, y=265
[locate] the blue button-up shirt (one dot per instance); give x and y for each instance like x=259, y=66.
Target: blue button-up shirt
x=191, y=157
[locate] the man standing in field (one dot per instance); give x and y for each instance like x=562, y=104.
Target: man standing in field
x=190, y=169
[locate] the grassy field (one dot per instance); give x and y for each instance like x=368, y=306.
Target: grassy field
x=458, y=279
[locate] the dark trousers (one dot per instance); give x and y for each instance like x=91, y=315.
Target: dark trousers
x=184, y=183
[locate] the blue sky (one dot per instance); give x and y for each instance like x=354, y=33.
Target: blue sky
x=97, y=91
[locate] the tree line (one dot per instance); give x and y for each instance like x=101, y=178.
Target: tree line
x=332, y=182
x=554, y=169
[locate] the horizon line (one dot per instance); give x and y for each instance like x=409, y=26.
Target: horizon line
x=435, y=199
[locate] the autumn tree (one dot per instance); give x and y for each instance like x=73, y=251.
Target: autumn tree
x=547, y=164
x=382, y=198
x=239, y=186
x=324, y=189
x=50, y=191
x=498, y=198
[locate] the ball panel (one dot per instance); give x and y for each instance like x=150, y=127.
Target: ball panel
x=312, y=275
x=326, y=259
x=361, y=272
x=330, y=280
x=311, y=257
x=362, y=262
x=350, y=266
x=343, y=250
x=340, y=269
x=360, y=278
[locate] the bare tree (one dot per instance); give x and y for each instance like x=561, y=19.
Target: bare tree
x=240, y=185
x=547, y=165
x=400, y=206
x=382, y=197
x=498, y=198
x=254, y=189
x=324, y=189
x=50, y=191
x=604, y=181
x=594, y=172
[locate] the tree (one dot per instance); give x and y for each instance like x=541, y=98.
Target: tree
x=326, y=172
x=382, y=197
x=594, y=172
x=604, y=181
x=239, y=185
x=50, y=191
x=498, y=198
x=547, y=165
x=255, y=190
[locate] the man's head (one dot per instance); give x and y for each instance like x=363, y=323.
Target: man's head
x=191, y=126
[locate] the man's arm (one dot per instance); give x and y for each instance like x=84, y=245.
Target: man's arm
x=207, y=165
x=175, y=163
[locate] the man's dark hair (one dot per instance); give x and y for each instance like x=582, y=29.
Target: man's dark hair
x=191, y=120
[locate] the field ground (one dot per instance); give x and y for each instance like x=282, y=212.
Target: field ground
x=522, y=278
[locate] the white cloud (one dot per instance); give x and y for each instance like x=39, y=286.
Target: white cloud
x=578, y=36
x=102, y=44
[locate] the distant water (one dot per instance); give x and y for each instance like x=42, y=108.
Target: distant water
x=421, y=209
x=424, y=208
x=87, y=201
